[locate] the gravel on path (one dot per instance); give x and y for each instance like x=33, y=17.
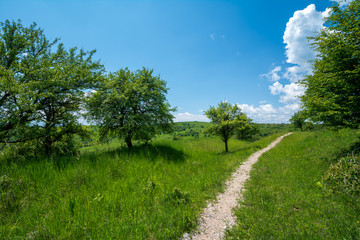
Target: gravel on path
x=218, y=215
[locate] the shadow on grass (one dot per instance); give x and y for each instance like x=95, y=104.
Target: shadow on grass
x=155, y=152
x=138, y=152
x=149, y=152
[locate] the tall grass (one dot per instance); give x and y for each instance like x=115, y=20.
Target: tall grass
x=149, y=192
x=285, y=198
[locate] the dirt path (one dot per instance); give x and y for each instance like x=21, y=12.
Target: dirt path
x=218, y=215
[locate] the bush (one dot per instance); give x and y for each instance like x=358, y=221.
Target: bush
x=21, y=152
x=175, y=138
x=344, y=176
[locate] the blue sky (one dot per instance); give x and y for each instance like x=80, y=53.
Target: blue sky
x=250, y=53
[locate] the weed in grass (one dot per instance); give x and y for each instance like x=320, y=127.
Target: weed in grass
x=344, y=176
x=178, y=197
x=72, y=202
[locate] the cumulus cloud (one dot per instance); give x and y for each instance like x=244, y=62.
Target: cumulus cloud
x=186, y=117
x=289, y=93
x=267, y=113
x=302, y=25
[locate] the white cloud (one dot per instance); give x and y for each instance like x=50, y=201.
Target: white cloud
x=289, y=93
x=342, y=2
x=187, y=117
x=88, y=94
x=267, y=113
x=302, y=25
x=212, y=36
x=273, y=74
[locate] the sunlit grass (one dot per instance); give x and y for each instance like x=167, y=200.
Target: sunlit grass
x=155, y=191
x=285, y=198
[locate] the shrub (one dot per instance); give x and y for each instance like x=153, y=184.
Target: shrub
x=175, y=138
x=344, y=176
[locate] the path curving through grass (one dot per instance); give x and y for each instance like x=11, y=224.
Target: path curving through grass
x=218, y=215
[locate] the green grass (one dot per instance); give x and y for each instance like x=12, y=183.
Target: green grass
x=149, y=192
x=285, y=198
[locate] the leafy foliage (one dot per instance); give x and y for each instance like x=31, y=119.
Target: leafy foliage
x=225, y=119
x=131, y=106
x=333, y=91
x=249, y=132
x=41, y=90
x=298, y=120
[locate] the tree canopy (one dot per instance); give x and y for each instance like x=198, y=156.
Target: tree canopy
x=249, y=131
x=298, y=119
x=225, y=119
x=41, y=86
x=332, y=93
x=131, y=106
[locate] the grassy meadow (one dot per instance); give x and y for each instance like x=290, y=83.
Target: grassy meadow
x=286, y=197
x=157, y=191
x=153, y=191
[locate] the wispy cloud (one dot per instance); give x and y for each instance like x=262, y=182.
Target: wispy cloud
x=212, y=36
x=273, y=75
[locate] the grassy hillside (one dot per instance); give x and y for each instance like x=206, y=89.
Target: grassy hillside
x=286, y=197
x=149, y=192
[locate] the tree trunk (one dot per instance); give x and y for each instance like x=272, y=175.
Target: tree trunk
x=48, y=146
x=128, y=141
x=226, y=146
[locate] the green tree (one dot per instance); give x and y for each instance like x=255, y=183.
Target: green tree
x=20, y=50
x=225, y=119
x=249, y=131
x=41, y=88
x=298, y=120
x=59, y=90
x=131, y=106
x=333, y=90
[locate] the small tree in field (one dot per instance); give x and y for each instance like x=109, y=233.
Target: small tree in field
x=248, y=132
x=131, y=106
x=298, y=120
x=225, y=119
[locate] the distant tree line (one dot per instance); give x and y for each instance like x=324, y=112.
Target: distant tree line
x=44, y=90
